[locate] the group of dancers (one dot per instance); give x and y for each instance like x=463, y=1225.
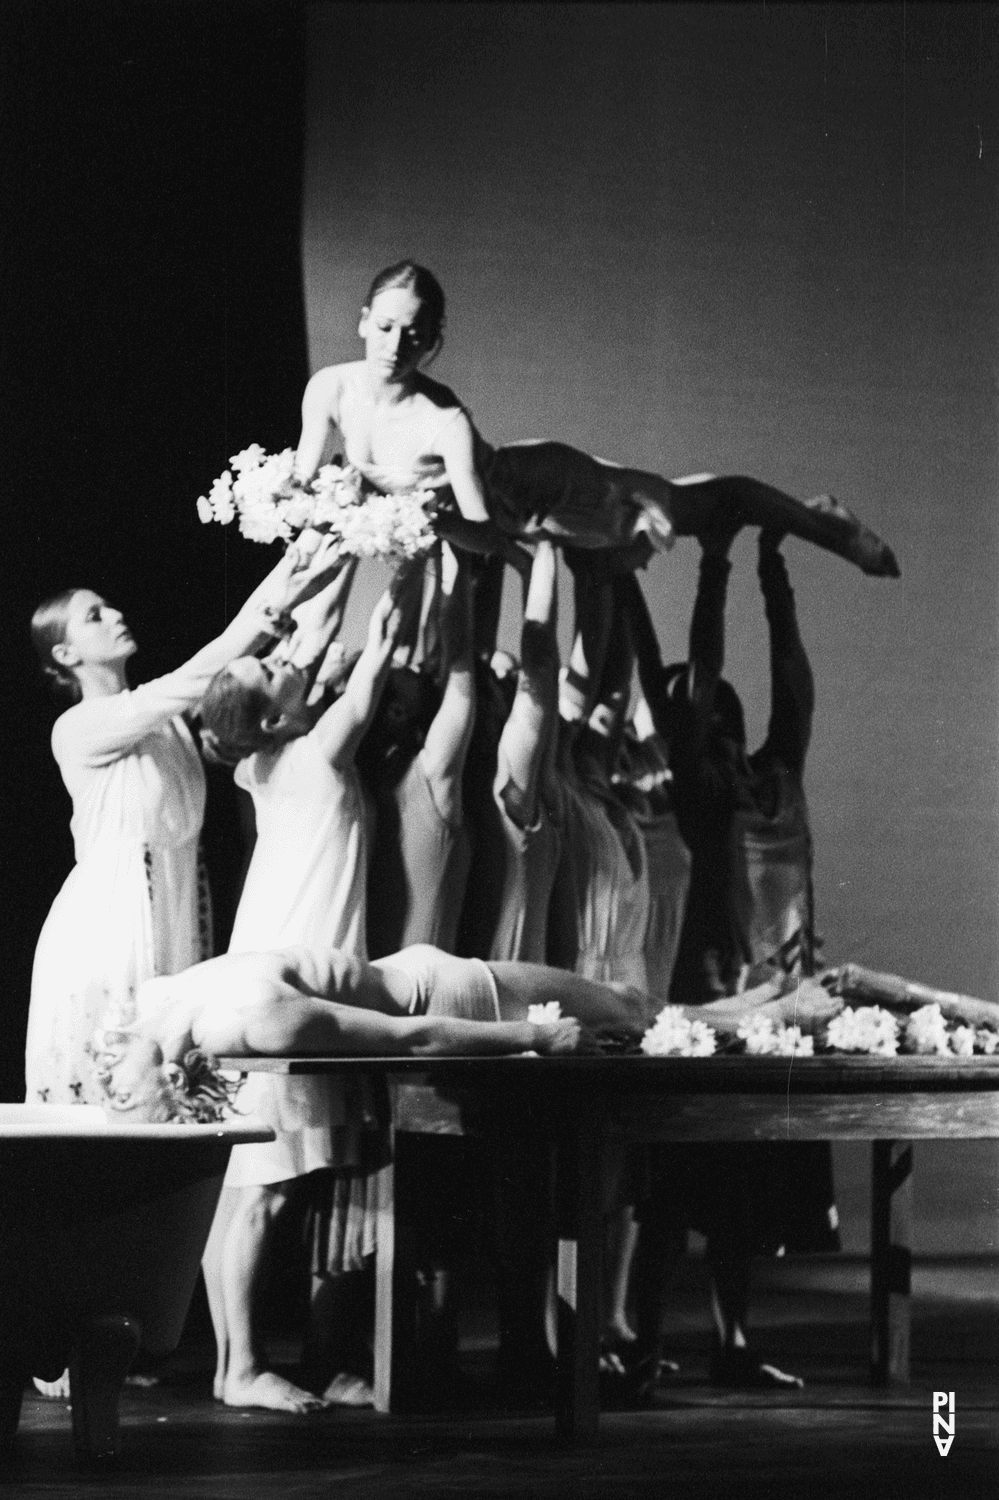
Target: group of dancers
x=445, y=836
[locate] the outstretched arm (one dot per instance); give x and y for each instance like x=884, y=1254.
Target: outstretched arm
x=706, y=655
x=530, y=725
x=301, y=1025
x=450, y=734
x=473, y=528
x=342, y=726
x=792, y=687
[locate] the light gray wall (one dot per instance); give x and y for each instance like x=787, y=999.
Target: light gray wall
x=753, y=239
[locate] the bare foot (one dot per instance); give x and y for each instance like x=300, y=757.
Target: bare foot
x=864, y=547
x=53, y=1390
x=270, y=1391
x=218, y=1385
x=348, y=1390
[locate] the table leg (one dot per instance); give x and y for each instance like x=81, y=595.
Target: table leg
x=105, y=1348
x=386, y=1327
x=891, y=1261
x=579, y=1161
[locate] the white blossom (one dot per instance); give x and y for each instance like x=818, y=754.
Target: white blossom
x=673, y=1035
x=926, y=1032
x=273, y=506
x=764, y=1038
x=869, y=1028
x=962, y=1041
x=544, y=1015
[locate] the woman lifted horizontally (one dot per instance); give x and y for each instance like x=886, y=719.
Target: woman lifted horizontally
x=403, y=431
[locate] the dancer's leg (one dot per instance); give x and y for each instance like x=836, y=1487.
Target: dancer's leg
x=247, y=1383
x=211, y=1266
x=520, y=985
x=823, y=521
x=622, y=1239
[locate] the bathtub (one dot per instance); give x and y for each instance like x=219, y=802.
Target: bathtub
x=102, y=1229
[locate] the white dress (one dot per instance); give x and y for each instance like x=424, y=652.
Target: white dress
x=133, y=906
x=305, y=886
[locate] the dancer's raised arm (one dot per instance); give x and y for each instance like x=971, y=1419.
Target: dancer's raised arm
x=342, y=726
x=446, y=745
x=530, y=725
x=792, y=687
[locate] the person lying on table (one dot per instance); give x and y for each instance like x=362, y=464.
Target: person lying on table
x=421, y=1002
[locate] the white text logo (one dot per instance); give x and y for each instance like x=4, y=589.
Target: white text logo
x=943, y=1420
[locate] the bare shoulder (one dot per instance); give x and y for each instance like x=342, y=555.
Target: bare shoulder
x=327, y=385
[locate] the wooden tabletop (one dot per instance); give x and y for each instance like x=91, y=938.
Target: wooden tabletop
x=833, y=1074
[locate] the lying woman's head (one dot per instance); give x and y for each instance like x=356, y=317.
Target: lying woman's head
x=139, y=1087
x=78, y=628
x=252, y=705
x=427, y=317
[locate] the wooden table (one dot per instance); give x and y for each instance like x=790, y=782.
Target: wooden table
x=583, y=1102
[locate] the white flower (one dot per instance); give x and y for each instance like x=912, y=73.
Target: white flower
x=866, y=1029
x=765, y=1039
x=962, y=1041
x=672, y=1035
x=926, y=1032
x=205, y=512
x=543, y=1015
x=986, y=1041
x=250, y=458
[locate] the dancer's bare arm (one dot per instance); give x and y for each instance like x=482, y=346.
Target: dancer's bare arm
x=450, y=734
x=530, y=725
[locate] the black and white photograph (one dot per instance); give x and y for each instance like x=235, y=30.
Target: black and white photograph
x=501, y=855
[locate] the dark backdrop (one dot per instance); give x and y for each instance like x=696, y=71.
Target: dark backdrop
x=153, y=325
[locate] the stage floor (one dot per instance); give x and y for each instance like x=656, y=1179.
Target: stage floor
x=836, y=1438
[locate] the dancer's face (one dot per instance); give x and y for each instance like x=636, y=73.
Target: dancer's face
x=283, y=686
x=393, y=333
x=95, y=634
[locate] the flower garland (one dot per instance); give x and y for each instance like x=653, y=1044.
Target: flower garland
x=867, y=1029
x=261, y=490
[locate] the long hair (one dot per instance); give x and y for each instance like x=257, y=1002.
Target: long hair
x=425, y=288
x=48, y=629
x=232, y=717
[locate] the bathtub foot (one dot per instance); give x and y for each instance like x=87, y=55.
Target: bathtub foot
x=11, y=1394
x=105, y=1348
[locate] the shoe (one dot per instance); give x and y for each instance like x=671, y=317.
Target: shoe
x=746, y=1369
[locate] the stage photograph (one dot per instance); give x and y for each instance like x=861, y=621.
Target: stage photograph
x=501, y=860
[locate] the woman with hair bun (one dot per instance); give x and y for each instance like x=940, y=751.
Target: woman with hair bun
x=404, y=431
x=136, y=903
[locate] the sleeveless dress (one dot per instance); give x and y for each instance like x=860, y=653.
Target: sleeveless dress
x=136, y=903
x=668, y=861
x=305, y=885
x=771, y=872
x=612, y=895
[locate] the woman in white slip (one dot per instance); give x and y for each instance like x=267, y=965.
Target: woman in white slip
x=305, y=885
x=136, y=902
